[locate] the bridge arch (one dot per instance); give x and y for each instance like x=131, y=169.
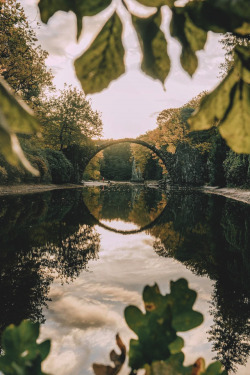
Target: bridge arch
x=151, y=147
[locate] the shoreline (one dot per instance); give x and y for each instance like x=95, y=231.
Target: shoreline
x=240, y=195
x=237, y=194
x=24, y=189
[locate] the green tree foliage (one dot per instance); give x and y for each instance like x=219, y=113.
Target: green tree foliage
x=22, y=61
x=236, y=169
x=68, y=119
x=116, y=163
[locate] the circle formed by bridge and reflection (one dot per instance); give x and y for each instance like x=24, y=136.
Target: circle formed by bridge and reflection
x=103, y=200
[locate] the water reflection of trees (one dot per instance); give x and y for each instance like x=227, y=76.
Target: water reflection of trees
x=137, y=203
x=41, y=237
x=52, y=235
x=211, y=236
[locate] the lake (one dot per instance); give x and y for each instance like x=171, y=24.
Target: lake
x=74, y=259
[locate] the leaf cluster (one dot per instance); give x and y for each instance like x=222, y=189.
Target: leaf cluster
x=157, y=328
x=158, y=348
x=22, y=354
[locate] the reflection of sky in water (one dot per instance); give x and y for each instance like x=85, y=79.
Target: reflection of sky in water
x=120, y=225
x=85, y=315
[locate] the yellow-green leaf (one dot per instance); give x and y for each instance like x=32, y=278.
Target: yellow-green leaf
x=155, y=62
x=176, y=345
x=104, y=60
x=80, y=8
x=15, y=117
x=18, y=115
x=191, y=37
x=235, y=128
x=189, y=60
x=214, y=106
x=156, y=3
x=196, y=37
x=242, y=61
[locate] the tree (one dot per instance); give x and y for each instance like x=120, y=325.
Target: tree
x=116, y=163
x=68, y=119
x=22, y=61
x=230, y=42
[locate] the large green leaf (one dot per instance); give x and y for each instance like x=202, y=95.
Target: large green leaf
x=214, y=106
x=18, y=115
x=182, y=299
x=235, y=127
x=228, y=106
x=195, y=36
x=155, y=62
x=191, y=37
x=104, y=60
x=189, y=60
x=15, y=117
x=81, y=8
x=242, y=60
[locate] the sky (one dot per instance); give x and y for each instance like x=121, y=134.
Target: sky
x=130, y=105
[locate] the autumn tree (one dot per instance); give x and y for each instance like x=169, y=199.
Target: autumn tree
x=229, y=42
x=22, y=60
x=68, y=119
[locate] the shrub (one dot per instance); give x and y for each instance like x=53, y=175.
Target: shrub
x=60, y=167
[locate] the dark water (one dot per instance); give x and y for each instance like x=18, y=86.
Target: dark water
x=74, y=259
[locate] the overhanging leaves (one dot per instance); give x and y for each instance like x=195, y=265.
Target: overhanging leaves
x=155, y=62
x=104, y=60
x=81, y=8
x=15, y=117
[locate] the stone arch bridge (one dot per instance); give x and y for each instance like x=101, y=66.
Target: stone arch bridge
x=151, y=147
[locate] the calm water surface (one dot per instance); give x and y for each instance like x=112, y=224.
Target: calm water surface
x=74, y=259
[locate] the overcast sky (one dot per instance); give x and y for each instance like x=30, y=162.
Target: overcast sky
x=130, y=105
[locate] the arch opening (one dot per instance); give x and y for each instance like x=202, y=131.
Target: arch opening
x=151, y=147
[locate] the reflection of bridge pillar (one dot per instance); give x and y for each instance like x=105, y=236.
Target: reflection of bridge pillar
x=102, y=147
